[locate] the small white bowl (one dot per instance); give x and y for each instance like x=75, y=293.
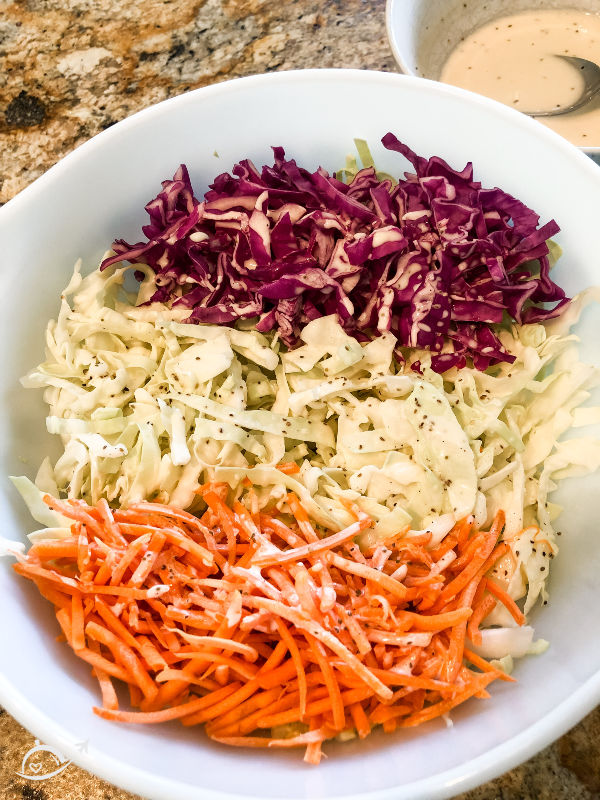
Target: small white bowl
x=423, y=33
x=98, y=192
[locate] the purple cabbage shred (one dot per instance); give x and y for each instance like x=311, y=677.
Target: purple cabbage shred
x=436, y=259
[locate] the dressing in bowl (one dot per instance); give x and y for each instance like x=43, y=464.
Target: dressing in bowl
x=513, y=59
x=441, y=39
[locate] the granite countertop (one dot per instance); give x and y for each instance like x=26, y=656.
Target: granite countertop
x=70, y=68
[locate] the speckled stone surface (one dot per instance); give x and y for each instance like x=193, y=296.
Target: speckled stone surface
x=70, y=68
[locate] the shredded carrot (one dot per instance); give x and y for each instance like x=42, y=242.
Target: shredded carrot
x=292, y=646
x=485, y=666
x=327, y=543
x=479, y=557
x=506, y=601
x=247, y=621
x=125, y=656
x=47, y=590
x=260, y=741
x=443, y=706
x=77, y=622
x=51, y=550
x=480, y=612
x=289, y=468
x=337, y=704
x=177, y=712
x=314, y=750
x=360, y=720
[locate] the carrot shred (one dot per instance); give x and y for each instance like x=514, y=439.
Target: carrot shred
x=337, y=705
x=99, y=662
x=443, y=706
x=177, y=712
x=360, y=720
x=309, y=737
x=109, y=696
x=288, y=468
x=480, y=612
x=49, y=591
x=77, y=622
x=314, y=750
x=485, y=666
x=314, y=548
x=478, y=560
x=319, y=706
x=506, y=601
x=292, y=646
x=125, y=656
x=54, y=549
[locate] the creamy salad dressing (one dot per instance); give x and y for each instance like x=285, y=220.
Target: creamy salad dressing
x=511, y=59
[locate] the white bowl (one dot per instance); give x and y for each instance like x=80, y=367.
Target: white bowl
x=423, y=33
x=98, y=192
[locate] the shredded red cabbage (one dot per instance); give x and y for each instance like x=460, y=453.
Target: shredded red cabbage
x=436, y=259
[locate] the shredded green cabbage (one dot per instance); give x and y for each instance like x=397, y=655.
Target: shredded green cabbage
x=150, y=408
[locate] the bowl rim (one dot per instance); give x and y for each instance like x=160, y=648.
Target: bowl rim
x=139, y=117
x=467, y=775
x=444, y=785
x=405, y=67
x=393, y=41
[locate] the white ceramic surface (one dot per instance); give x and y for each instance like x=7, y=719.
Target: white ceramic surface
x=423, y=33
x=98, y=192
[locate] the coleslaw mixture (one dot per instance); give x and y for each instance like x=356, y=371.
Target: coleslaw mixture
x=316, y=389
